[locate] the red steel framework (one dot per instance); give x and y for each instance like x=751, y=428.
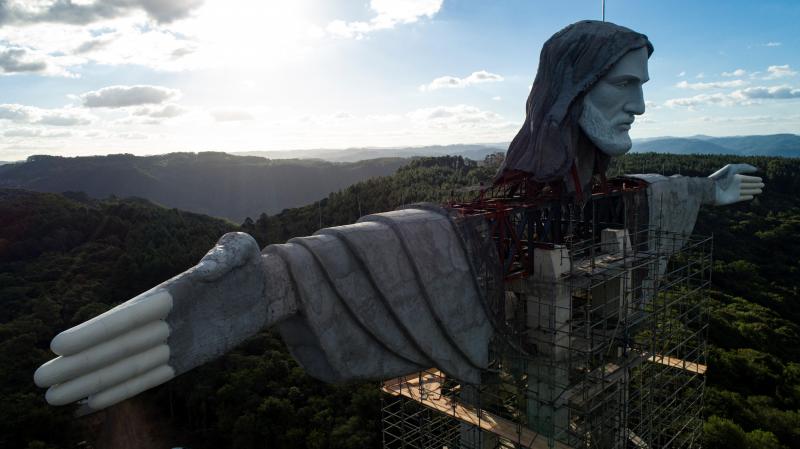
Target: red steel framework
x=524, y=215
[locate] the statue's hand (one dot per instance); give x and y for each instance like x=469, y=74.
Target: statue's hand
x=181, y=323
x=730, y=186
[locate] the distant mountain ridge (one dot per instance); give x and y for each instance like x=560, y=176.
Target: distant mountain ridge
x=476, y=152
x=217, y=184
x=786, y=145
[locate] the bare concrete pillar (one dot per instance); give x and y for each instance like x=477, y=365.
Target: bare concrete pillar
x=548, y=313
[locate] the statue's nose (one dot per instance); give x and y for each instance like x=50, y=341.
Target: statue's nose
x=635, y=104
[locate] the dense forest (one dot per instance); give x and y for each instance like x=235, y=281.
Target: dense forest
x=65, y=258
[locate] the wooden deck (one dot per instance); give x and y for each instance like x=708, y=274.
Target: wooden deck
x=425, y=388
x=679, y=363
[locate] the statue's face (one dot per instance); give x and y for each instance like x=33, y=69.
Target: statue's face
x=610, y=106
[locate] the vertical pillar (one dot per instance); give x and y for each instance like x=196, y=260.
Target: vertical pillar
x=548, y=313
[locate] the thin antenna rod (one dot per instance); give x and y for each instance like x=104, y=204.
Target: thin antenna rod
x=603, y=8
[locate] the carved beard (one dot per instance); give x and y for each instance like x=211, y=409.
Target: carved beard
x=603, y=133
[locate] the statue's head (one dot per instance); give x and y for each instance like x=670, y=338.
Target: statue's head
x=610, y=105
x=587, y=90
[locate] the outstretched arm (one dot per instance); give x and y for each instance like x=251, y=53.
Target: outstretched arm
x=731, y=186
x=170, y=329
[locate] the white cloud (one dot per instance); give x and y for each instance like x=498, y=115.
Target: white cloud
x=700, y=75
x=711, y=85
x=61, y=118
x=737, y=97
x=83, y=13
x=481, y=76
x=169, y=110
x=124, y=96
x=17, y=113
x=699, y=100
x=33, y=133
x=93, y=45
x=388, y=14
x=497, y=98
x=779, y=71
x=773, y=44
x=682, y=74
x=16, y=60
x=737, y=72
x=253, y=34
x=456, y=117
x=132, y=136
x=774, y=92
x=231, y=115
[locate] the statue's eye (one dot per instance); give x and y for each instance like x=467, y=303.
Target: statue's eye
x=623, y=83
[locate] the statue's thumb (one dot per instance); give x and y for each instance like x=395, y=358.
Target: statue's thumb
x=233, y=250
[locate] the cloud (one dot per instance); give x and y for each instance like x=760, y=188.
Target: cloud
x=231, y=115
x=698, y=100
x=27, y=132
x=773, y=44
x=481, y=76
x=62, y=119
x=18, y=113
x=456, y=117
x=779, y=71
x=166, y=111
x=15, y=112
x=83, y=13
x=737, y=72
x=92, y=45
x=774, y=92
x=124, y=96
x=700, y=75
x=711, y=85
x=388, y=14
x=132, y=136
x=740, y=97
x=17, y=60
x=682, y=74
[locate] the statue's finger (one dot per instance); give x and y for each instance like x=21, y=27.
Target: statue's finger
x=107, y=377
x=745, y=178
x=147, y=307
x=750, y=192
x=64, y=368
x=131, y=387
x=745, y=197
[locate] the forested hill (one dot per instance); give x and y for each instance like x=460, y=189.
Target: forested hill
x=63, y=260
x=217, y=184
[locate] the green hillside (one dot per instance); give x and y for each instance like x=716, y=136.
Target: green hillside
x=65, y=259
x=216, y=184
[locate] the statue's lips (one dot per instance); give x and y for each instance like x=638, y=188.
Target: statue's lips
x=625, y=126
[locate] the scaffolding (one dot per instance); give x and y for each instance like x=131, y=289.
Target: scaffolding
x=603, y=344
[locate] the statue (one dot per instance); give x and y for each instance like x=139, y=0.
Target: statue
x=396, y=292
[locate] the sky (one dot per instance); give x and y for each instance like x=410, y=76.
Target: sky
x=87, y=77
